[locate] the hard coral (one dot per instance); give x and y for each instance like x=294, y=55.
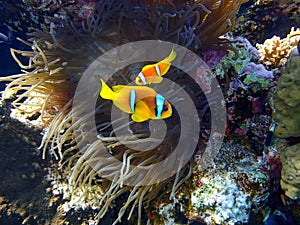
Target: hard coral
x=275, y=51
x=226, y=193
x=286, y=101
x=264, y=2
x=266, y=20
x=221, y=195
x=290, y=182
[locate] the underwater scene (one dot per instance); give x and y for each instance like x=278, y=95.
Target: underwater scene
x=140, y=112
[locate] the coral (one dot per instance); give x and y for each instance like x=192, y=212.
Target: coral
x=259, y=70
x=224, y=194
x=286, y=101
x=213, y=57
x=290, y=174
x=229, y=191
x=273, y=167
x=286, y=107
x=255, y=77
x=275, y=51
x=239, y=62
x=246, y=84
x=258, y=2
x=264, y=2
x=263, y=21
x=79, y=9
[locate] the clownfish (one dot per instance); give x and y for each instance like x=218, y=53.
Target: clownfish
x=142, y=102
x=153, y=73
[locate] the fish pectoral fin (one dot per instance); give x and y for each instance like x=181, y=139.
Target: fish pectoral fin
x=139, y=117
x=157, y=80
x=106, y=92
x=141, y=112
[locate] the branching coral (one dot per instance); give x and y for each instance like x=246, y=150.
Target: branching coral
x=275, y=51
x=264, y=2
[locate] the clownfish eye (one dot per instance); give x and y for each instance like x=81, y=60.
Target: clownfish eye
x=165, y=108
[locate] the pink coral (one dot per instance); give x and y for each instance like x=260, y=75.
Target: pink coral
x=212, y=57
x=256, y=105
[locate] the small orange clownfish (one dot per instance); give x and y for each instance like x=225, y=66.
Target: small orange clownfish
x=142, y=102
x=153, y=73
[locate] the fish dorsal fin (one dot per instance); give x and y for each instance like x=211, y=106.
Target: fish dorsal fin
x=118, y=88
x=170, y=57
x=106, y=92
x=148, y=67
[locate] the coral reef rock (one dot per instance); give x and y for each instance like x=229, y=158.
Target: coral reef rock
x=225, y=194
x=286, y=102
x=290, y=181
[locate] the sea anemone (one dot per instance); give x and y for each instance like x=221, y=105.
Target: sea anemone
x=220, y=20
x=42, y=89
x=60, y=54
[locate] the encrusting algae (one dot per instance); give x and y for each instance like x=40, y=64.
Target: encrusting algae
x=286, y=107
x=61, y=52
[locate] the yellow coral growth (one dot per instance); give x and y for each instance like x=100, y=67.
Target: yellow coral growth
x=265, y=2
x=275, y=51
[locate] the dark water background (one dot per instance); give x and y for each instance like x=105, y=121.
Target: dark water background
x=8, y=66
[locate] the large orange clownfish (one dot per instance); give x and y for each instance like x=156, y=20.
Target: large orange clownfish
x=142, y=102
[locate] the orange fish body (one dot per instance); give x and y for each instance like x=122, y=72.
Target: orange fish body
x=152, y=74
x=142, y=102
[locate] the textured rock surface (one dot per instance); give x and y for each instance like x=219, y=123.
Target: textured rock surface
x=26, y=194
x=223, y=194
x=227, y=192
x=286, y=103
x=290, y=181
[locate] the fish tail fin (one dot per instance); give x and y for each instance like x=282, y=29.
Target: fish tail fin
x=106, y=92
x=170, y=57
